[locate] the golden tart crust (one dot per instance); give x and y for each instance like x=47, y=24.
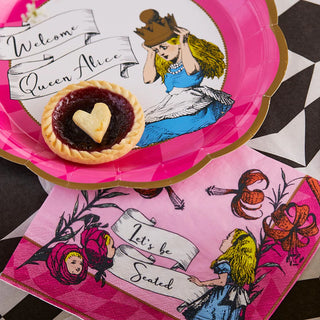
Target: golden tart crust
x=116, y=151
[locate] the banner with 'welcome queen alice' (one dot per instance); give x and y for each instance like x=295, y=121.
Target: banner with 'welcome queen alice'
x=33, y=77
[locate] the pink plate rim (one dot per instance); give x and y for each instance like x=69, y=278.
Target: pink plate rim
x=163, y=167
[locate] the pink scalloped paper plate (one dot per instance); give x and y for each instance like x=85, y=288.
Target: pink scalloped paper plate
x=256, y=57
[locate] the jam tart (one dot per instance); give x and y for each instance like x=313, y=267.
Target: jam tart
x=92, y=122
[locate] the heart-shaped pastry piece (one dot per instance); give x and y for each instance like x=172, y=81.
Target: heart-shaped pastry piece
x=94, y=124
x=70, y=140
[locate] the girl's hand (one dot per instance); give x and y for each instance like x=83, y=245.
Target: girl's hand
x=150, y=73
x=195, y=280
x=148, y=49
x=190, y=63
x=182, y=33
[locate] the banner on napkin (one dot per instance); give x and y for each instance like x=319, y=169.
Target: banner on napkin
x=136, y=229
x=234, y=246
x=133, y=267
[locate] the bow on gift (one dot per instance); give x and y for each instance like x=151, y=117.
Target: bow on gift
x=245, y=199
x=289, y=226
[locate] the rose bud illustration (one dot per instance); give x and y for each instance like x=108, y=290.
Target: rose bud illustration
x=245, y=198
x=98, y=248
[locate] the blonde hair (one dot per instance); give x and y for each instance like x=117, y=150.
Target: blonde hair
x=207, y=54
x=241, y=257
x=73, y=254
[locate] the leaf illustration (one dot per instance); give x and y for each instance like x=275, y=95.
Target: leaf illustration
x=106, y=205
x=41, y=255
x=100, y=192
x=252, y=236
x=255, y=295
x=267, y=248
x=276, y=251
x=94, y=225
x=270, y=247
x=60, y=224
x=67, y=236
x=76, y=205
x=261, y=278
x=97, y=276
x=113, y=194
x=261, y=236
x=90, y=218
x=75, y=233
x=279, y=192
x=85, y=195
x=283, y=175
x=271, y=265
x=105, y=225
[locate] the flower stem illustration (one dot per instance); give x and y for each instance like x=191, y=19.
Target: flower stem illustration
x=65, y=228
x=289, y=227
x=281, y=192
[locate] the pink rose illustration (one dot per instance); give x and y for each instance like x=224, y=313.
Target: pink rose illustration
x=98, y=248
x=67, y=264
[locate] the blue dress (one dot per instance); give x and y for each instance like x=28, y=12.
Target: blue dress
x=188, y=107
x=219, y=303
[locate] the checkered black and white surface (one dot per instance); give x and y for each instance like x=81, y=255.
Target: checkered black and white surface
x=294, y=116
x=294, y=112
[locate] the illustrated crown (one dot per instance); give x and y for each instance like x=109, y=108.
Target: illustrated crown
x=157, y=29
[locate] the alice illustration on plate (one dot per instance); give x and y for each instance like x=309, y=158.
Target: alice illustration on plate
x=182, y=61
x=235, y=267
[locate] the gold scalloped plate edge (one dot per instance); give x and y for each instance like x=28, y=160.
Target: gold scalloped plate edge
x=283, y=63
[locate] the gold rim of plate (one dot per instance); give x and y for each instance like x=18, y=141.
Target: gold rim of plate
x=283, y=62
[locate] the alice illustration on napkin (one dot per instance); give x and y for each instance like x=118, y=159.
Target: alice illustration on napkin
x=154, y=258
x=182, y=61
x=235, y=267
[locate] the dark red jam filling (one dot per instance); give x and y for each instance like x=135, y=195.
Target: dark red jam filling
x=69, y=133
